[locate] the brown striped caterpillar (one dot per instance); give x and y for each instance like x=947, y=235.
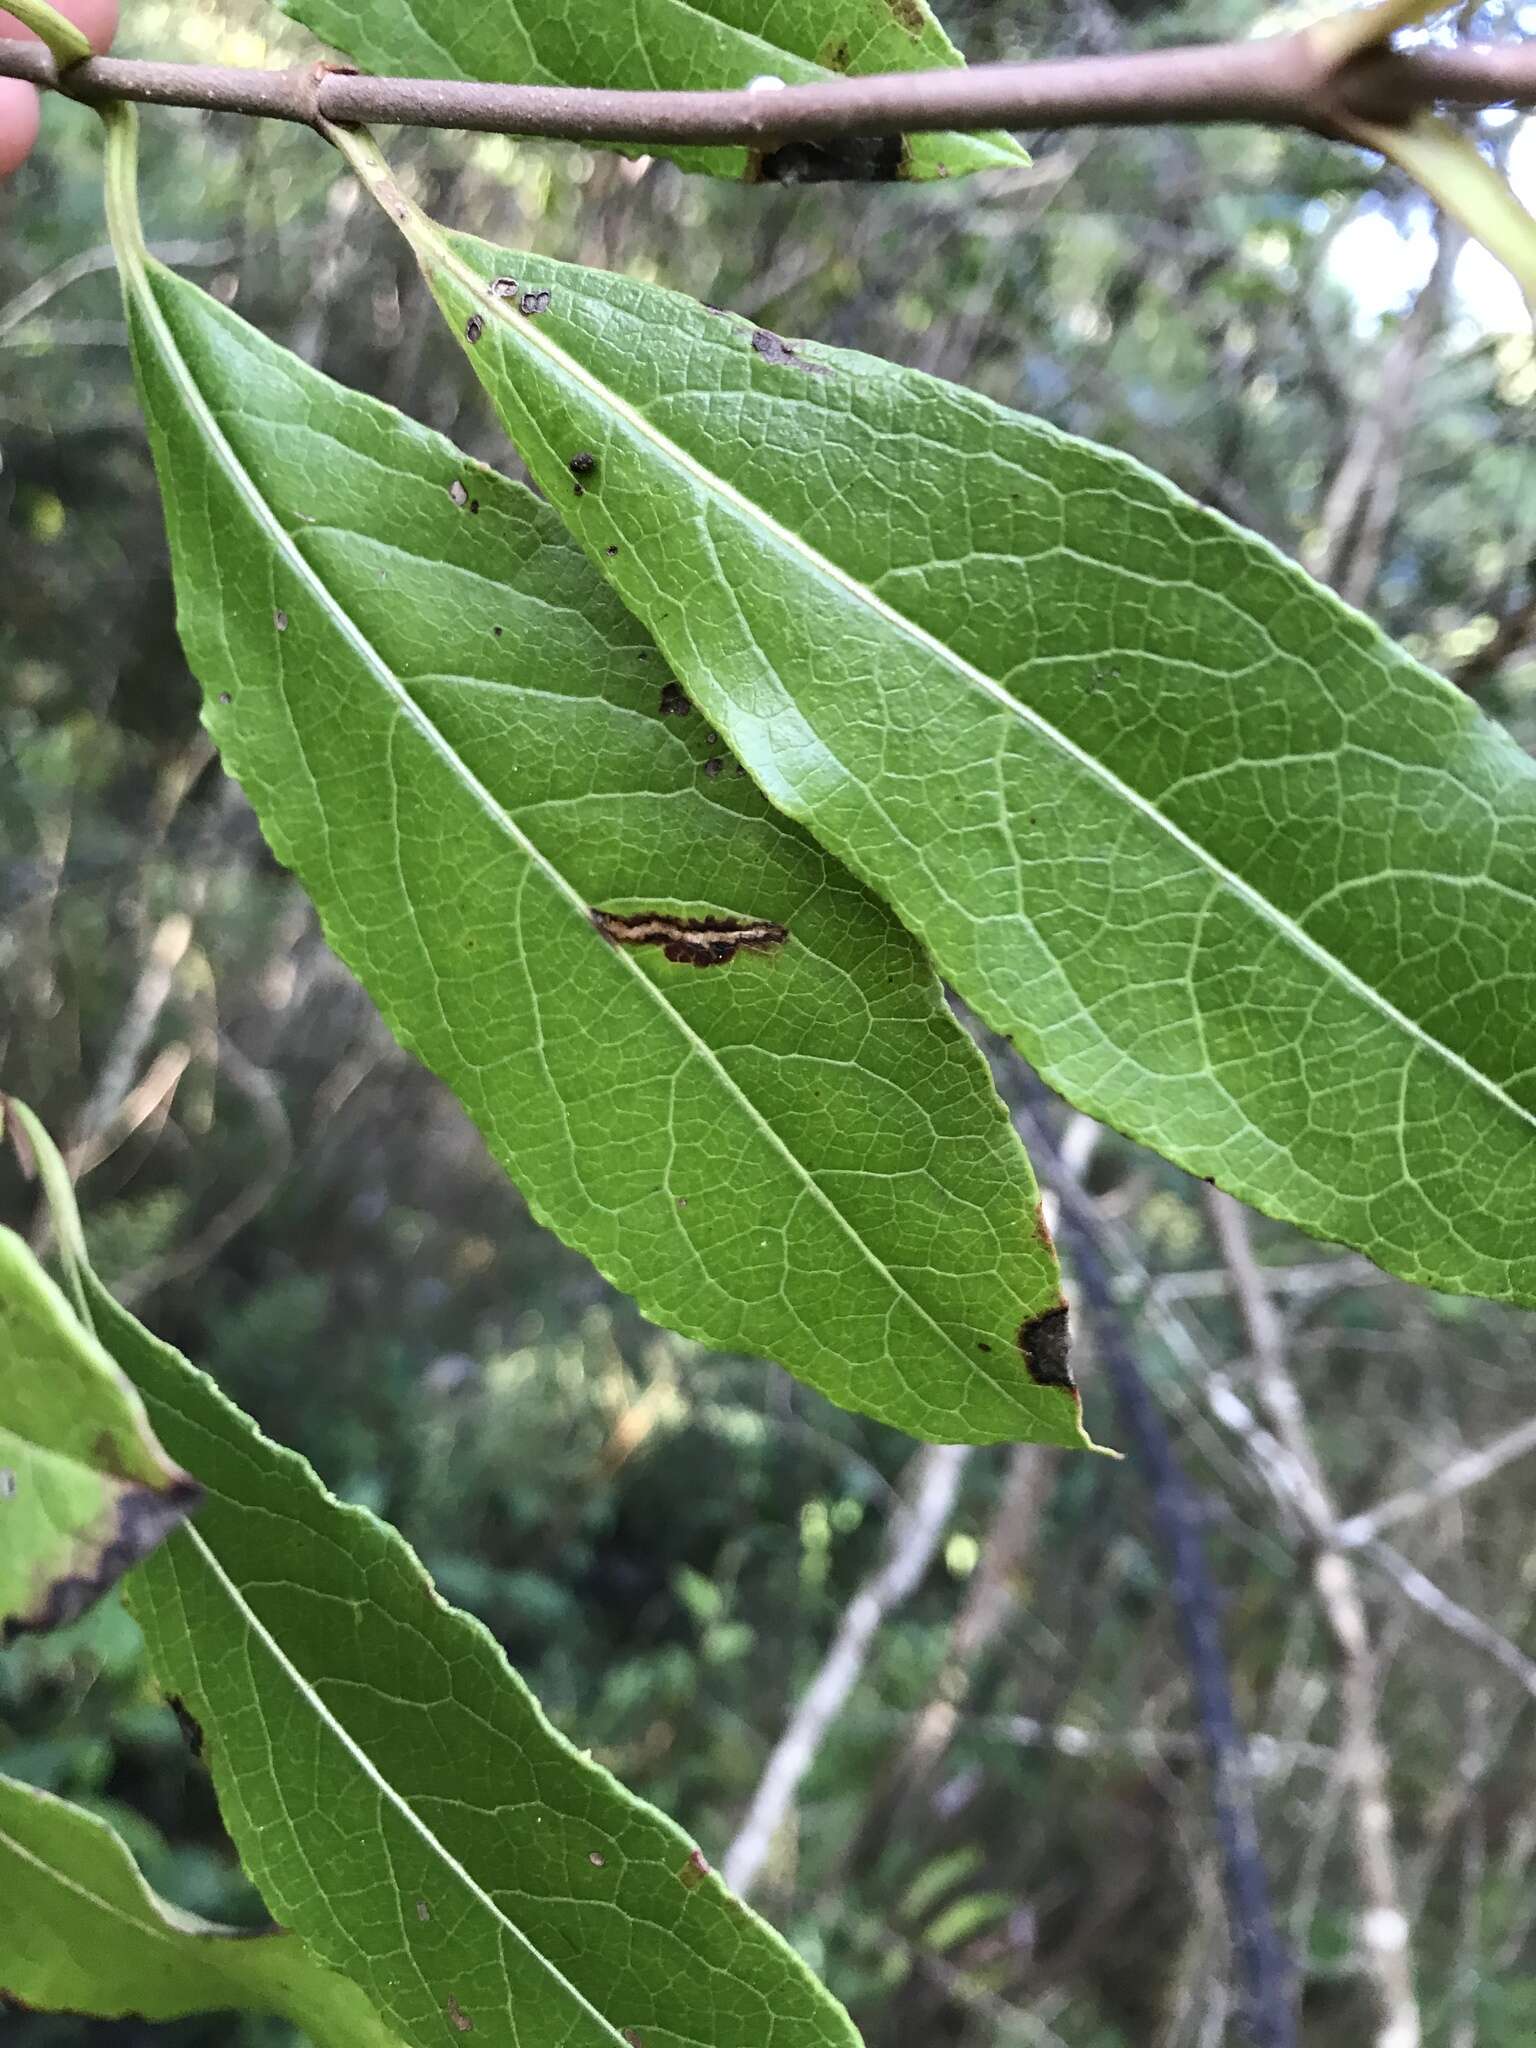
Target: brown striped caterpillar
x=692, y=941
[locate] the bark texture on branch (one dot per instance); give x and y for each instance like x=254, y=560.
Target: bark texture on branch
x=1289, y=81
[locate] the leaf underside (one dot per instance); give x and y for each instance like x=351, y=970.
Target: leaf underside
x=83, y=1933
x=398, y=1797
x=1238, y=875
x=681, y=46
x=464, y=747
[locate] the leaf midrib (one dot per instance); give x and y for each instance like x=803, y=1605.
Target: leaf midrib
x=529, y=334
x=284, y=543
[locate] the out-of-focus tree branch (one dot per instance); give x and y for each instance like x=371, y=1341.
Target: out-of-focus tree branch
x=1383, y=1927
x=916, y=1530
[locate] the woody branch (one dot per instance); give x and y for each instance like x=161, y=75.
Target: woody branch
x=1287, y=81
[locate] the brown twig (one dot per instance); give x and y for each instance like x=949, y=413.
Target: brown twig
x=1383, y=1927
x=1289, y=81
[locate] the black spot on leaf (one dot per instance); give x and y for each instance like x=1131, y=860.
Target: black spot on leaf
x=1045, y=1341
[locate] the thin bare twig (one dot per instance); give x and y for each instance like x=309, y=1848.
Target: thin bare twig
x=1292, y=81
x=915, y=1533
x=1469, y=1470
x=1383, y=1925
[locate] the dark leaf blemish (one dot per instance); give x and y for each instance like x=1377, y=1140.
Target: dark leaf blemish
x=674, y=703
x=713, y=766
x=497, y=631
x=474, y=327
x=854, y=159
x=909, y=15
x=474, y=504
x=1043, y=1230
x=280, y=620
x=983, y=1347
x=533, y=302
x=1045, y=1341
x=610, y=551
x=774, y=349
x=457, y=492
x=503, y=287
x=459, y=2016
x=225, y=698
x=191, y=1732
x=690, y=941
x=582, y=464
x=142, y=1519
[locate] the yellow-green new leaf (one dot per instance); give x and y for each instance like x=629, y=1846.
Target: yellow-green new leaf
x=82, y=1932
x=1237, y=874
x=86, y=1491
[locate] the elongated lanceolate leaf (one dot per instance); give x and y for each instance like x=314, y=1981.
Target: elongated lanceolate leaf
x=773, y=1134
x=676, y=45
x=85, y=1490
x=1238, y=875
x=398, y=1797
x=82, y=1932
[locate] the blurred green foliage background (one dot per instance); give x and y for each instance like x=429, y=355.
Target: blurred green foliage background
x=665, y=1540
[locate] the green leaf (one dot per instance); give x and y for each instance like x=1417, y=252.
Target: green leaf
x=82, y=1932
x=674, y=45
x=395, y=1792
x=1238, y=876
x=85, y=1489
x=456, y=737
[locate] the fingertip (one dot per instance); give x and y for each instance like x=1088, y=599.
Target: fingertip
x=97, y=19
x=20, y=110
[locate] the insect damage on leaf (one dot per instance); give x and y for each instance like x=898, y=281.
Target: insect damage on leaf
x=1045, y=1341
x=503, y=287
x=533, y=302
x=674, y=701
x=773, y=348
x=854, y=159
x=691, y=941
x=188, y=1723
x=474, y=327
